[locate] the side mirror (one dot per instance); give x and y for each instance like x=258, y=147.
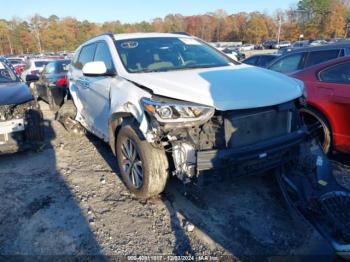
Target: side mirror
x=96, y=68
x=32, y=78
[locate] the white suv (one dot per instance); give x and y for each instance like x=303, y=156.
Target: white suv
x=172, y=104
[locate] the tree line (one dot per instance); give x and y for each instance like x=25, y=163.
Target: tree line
x=315, y=19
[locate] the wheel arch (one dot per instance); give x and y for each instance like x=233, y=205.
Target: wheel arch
x=115, y=122
x=323, y=112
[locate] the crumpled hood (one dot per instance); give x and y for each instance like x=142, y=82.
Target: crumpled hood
x=225, y=88
x=14, y=93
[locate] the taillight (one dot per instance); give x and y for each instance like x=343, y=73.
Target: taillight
x=18, y=69
x=61, y=82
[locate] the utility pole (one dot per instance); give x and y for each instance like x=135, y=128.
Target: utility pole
x=301, y=15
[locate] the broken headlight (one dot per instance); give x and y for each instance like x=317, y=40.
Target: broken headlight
x=177, y=112
x=303, y=98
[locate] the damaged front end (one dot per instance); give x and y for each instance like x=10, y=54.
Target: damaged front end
x=20, y=124
x=246, y=141
x=253, y=141
x=311, y=190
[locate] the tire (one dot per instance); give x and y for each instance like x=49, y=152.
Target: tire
x=319, y=128
x=146, y=175
x=34, y=130
x=51, y=100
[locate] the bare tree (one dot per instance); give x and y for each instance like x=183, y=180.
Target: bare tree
x=37, y=24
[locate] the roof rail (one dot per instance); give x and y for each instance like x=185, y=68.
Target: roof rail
x=110, y=34
x=181, y=33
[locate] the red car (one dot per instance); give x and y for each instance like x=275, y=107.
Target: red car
x=328, y=110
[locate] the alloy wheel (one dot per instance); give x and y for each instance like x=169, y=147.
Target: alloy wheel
x=131, y=163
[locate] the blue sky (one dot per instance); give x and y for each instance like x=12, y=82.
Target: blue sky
x=132, y=10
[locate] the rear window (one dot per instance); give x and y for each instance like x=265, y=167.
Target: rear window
x=41, y=63
x=15, y=61
x=337, y=74
x=317, y=57
x=62, y=66
x=265, y=60
x=251, y=60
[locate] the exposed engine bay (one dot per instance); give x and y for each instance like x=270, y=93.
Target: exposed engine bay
x=264, y=137
x=20, y=125
x=9, y=112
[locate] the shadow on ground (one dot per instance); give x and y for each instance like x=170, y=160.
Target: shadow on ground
x=39, y=214
x=245, y=217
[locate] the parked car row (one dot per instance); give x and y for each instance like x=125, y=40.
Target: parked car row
x=172, y=105
x=328, y=90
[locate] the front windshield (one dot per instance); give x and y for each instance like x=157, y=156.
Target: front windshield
x=6, y=74
x=161, y=54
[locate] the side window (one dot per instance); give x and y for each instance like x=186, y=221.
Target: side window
x=86, y=55
x=75, y=58
x=336, y=74
x=288, y=63
x=251, y=60
x=102, y=54
x=317, y=57
x=49, y=68
x=265, y=60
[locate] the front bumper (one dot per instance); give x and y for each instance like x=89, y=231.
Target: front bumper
x=252, y=159
x=12, y=137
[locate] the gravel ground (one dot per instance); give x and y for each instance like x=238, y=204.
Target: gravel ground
x=66, y=199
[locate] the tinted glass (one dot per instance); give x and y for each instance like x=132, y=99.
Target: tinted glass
x=41, y=63
x=86, y=55
x=318, y=57
x=167, y=54
x=251, y=60
x=15, y=61
x=337, y=74
x=265, y=60
x=227, y=51
x=102, y=54
x=62, y=66
x=50, y=68
x=288, y=63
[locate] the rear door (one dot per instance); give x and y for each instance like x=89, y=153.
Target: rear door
x=45, y=79
x=337, y=79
